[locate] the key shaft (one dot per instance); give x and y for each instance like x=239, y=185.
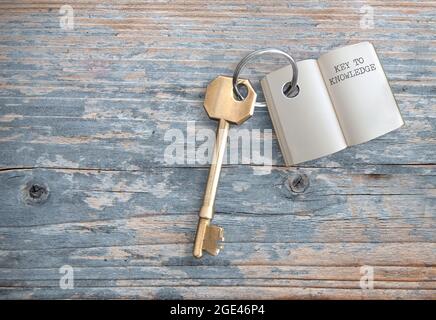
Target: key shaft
x=207, y=209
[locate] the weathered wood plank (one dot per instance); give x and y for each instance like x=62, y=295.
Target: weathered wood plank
x=325, y=193
x=333, y=257
x=213, y=292
x=136, y=139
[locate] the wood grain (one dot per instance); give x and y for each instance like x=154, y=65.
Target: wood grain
x=83, y=119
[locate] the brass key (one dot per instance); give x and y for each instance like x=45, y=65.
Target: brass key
x=220, y=104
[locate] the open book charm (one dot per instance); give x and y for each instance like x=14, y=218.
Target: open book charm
x=344, y=99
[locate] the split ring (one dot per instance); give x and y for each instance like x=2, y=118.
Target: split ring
x=289, y=91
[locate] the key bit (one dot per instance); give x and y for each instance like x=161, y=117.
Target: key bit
x=208, y=238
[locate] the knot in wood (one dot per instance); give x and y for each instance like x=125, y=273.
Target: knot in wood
x=35, y=192
x=298, y=183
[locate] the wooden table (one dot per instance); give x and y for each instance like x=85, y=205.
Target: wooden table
x=86, y=116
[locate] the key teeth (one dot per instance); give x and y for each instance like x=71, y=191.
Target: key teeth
x=214, y=235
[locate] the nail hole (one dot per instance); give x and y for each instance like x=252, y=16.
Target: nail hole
x=292, y=94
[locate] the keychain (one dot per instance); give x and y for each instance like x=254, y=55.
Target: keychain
x=343, y=99
x=317, y=107
x=225, y=103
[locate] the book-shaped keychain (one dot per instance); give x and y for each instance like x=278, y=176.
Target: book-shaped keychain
x=343, y=99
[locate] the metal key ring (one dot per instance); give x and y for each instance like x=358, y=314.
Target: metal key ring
x=289, y=91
